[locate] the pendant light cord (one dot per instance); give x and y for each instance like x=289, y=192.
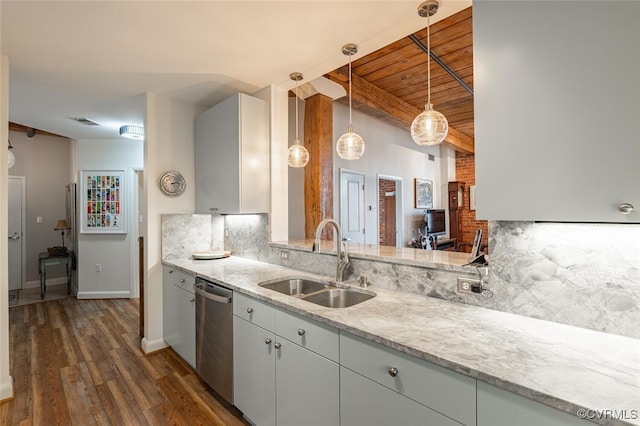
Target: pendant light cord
x=297, y=139
x=428, y=63
x=350, y=122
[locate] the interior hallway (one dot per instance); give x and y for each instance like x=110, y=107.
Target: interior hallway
x=79, y=362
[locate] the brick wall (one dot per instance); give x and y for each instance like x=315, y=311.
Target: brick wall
x=466, y=173
x=384, y=185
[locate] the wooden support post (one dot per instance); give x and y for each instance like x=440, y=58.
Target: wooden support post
x=318, y=175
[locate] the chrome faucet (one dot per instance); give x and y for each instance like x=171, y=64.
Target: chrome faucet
x=343, y=258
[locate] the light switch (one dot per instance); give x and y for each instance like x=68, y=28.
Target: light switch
x=39, y=219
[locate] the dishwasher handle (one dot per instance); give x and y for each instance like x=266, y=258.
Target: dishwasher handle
x=213, y=297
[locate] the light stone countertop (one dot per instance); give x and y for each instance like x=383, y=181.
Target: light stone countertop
x=440, y=259
x=566, y=367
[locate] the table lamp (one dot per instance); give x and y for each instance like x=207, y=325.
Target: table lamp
x=61, y=226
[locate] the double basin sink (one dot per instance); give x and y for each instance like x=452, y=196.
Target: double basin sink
x=320, y=293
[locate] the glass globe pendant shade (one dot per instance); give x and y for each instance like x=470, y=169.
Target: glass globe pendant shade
x=12, y=159
x=298, y=155
x=350, y=146
x=429, y=127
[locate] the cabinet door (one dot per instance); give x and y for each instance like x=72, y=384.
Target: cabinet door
x=185, y=337
x=168, y=306
x=254, y=372
x=307, y=387
x=497, y=407
x=366, y=403
x=232, y=156
x=556, y=110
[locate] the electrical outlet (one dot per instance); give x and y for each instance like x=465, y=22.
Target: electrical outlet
x=465, y=284
x=98, y=267
x=284, y=254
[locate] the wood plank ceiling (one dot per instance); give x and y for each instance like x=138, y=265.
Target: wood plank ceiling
x=391, y=83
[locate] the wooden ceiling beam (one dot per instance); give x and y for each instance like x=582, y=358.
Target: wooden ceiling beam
x=15, y=127
x=374, y=101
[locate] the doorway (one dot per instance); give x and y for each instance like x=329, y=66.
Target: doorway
x=352, y=206
x=17, y=219
x=389, y=211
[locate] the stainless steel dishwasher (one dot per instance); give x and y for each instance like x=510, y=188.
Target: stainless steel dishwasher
x=214, y=336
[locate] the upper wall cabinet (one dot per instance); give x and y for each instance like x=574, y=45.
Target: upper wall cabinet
x=557, y=110
x=232, y=157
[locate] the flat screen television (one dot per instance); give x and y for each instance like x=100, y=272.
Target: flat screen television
x=435, y=222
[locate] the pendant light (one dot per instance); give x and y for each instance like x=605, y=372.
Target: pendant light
x=350, y=146
x=298, y=154
x=430, y=127
x=11, y=158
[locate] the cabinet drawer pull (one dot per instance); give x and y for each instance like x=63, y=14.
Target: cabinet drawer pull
x=249, y=310
x=267, y=341
x=301, y=332
x=277, y=345
x=393, y=371
x=625, y=208
x=182, y=280
x=171, y=271
x=192, y=300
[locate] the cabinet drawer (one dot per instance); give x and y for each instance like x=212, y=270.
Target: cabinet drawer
x=182, y=279
x=443, y=390
x=317, y=337
x=254, y=311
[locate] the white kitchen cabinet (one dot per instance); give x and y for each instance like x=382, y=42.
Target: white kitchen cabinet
x=254, y=373
x=232, y=156
x=556, y=110
x=497, y=407
x=185, y=337
x=364, y=402
x=279, y=381
x=168, y=308
x=446, y=397
x=179, y=312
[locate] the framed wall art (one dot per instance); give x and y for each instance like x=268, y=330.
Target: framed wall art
x=424, y=194
x=103, y=205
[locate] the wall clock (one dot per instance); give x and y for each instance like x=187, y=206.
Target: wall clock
x=172, y=183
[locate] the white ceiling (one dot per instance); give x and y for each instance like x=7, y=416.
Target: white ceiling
x=95, y=58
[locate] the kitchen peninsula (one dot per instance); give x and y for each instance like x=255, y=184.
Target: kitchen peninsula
x=565, y=367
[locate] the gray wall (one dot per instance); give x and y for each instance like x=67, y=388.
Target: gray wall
x=44, y=161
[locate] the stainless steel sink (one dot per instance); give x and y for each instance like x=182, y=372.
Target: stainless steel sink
x=295, y=286
x=318, y=292
x=339, y=297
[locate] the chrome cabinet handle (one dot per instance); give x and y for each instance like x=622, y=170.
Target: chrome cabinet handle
x=393, y=371
x=277, y=345
x=171, y=271
x=249, y=310
x=15, y=236
x=192, y=300
x=182, y=280
x=301, y=332
x=267, y=341
x=625, y=208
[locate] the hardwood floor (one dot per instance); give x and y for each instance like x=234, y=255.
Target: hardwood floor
x=78, y=362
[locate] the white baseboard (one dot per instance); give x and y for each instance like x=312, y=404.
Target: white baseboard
x=6, y=389
x=50, y=281
x=149, y=346
x=103, y=295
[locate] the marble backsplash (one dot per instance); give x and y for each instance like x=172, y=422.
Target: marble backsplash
x=586, y=275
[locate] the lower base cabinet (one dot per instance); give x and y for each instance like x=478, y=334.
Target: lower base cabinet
x=363, y=402
x=497, y=407
x=179, y=312
x=254, y=374
x=276, y=381
x=185, y=325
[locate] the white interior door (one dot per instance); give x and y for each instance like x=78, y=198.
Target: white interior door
x=352, y=206
x=16, y=244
